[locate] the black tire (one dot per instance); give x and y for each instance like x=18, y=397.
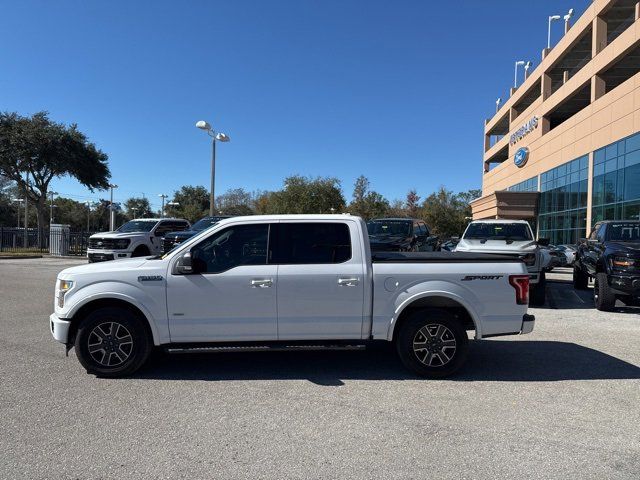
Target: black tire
x=580, y=278
x=141, y=251
x=446, y=345
x=538, y=292
x=603, y=298
x=112, y=342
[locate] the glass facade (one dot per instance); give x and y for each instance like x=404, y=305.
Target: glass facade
x=563, y=202
x=529, y=185
x=616, y=181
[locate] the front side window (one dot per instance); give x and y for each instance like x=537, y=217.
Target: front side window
x=312, y=243
x=231, y=247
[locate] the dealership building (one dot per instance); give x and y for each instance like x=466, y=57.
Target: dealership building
x=564, y=150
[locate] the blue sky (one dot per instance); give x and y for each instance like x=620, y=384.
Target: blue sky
x=397, y=91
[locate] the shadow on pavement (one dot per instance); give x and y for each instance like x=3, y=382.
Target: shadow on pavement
x=489, y=360
x=562, y=296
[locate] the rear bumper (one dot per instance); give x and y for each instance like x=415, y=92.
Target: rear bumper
x=528, y=322
x=59, y=328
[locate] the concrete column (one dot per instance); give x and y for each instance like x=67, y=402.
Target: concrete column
x=545, y=125
x=545, y=52
x=487, y=142
x=599, y=36
x=565, y=76
x=513, y=114
x=598, y=87
x=589, y=193
x=545, y=86
x=637, y=10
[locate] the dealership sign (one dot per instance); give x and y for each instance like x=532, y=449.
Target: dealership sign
x=523, y=130
x=521, y=157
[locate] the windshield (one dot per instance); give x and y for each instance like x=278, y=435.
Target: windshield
x=624, y=232
x=205, y=223
x=499, y=231
x=389, y=227
x=136, y=226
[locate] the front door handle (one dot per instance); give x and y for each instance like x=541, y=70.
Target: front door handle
x=348, y=282
x=261, y=282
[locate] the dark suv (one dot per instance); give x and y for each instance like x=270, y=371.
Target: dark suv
x=401, y=234
x=611, y=255
x=175, y=238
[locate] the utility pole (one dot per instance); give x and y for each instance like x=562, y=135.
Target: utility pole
x=162, y=196
x=88, y=204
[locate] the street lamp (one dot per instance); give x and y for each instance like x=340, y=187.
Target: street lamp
x=221, y=137
x=515, y=74
x=567, y=17
x=552, y=18
x=527, y=66
x=19, y=202
x=498, y=102
x=173, y=204
x=51, y=207
x=88, y=204
x=162, y=196
x=112, y=212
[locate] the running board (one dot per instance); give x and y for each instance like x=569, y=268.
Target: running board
x=261, y=348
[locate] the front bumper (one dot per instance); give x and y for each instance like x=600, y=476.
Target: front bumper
x=625, y=284
x=106, y=255
x=528, y=322
x=59, y=328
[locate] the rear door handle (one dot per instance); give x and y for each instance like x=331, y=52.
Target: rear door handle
x=261, y=282
x=348, y=282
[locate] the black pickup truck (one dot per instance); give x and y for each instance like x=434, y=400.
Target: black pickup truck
x=611, y=255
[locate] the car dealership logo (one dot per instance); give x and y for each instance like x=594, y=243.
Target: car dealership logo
x=528, y=127
x=521, y=157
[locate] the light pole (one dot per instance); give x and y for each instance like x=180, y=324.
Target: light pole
x=222, y=137
x=498, y=102
x=527, y=66
x=88, y=204
x=162, y=196
x=51, y=207
x=515, y=74
x=173, y=204
x=134, y=211
x=552, y=18
x=567, y=17
x=112, y=212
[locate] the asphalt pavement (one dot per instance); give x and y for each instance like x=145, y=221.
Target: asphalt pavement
x=562, y=402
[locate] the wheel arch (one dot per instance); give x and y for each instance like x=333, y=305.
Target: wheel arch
x=440, y=300
x=104, y=302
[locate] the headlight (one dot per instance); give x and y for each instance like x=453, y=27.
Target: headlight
x=63, y=287
x=122, y=244
x=528, y=259
x=624, y=262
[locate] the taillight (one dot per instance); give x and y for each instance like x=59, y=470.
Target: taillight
x=521, y=284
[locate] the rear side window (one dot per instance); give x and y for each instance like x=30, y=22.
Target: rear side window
x=425, y=228
x=311, y=243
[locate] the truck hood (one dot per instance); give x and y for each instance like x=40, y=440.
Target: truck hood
x=106, y=267
x=495, y=246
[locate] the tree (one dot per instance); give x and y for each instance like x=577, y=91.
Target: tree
x=235, y=202
x=307, y=195
x=70, y=212
x=41, y=150
x=193, y=203
x=447, y=213
x=367, y=203
x=397, y=209
x=137, y=207
x=413, y=200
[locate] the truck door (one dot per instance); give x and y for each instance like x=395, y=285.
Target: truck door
x=232, y=297
x=592, y=249
x=320, y=280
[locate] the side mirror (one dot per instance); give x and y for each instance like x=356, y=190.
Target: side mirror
x=184, y=265
x=543, y=242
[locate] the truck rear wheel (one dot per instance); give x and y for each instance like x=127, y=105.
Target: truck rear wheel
x=603, y=297
x=580, y=279
x=432, y=343
x=112, y=342
x=538, y=292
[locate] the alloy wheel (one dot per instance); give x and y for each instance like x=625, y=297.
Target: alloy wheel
x=434, y=345
x=110, y=344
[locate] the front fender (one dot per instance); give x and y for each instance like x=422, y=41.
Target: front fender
x=151, y=306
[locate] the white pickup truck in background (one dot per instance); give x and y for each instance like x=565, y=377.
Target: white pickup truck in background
x=512, y=238
x=282, y=281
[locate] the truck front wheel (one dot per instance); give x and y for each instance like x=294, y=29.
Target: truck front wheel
x=432, y=343
x=141, y=251
x=112, y=342
x=603, y=297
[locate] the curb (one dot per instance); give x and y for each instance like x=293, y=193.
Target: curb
x=17, y=257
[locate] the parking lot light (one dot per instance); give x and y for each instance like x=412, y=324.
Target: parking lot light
x=215, y=136
x=552, y=18
x=162, y=196
x=498, y=102
x=515, y=74
x=112, y=212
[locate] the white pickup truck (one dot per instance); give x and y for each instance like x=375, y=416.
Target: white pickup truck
x=512, y=238
x=288, y=281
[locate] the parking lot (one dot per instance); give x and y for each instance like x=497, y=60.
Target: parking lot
x=562, y=402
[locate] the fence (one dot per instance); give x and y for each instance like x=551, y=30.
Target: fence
x=32, y=240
